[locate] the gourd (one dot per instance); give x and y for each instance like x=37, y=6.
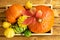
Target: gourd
x=44, y=20
x=13, y=12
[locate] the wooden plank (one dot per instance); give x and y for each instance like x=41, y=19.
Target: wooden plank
x=57, y=20
x=2, y=14
x=2, y=19
x=7, y=2
x=55, y=37
x=56, y=30
x=56, y=7
x=55, y=2
x=48, y=1
x=1, y=24
x=2, y=10
x=19, y=38
x=56, y=12
x=1, y=31
x=56, y=24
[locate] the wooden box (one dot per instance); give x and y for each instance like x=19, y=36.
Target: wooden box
x=47, y=33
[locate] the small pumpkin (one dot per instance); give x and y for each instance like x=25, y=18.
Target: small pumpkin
x=13, y=12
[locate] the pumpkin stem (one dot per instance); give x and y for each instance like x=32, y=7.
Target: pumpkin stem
x=40, y=20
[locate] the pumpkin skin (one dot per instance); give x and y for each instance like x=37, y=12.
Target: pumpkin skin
x=47, y=20
x=13, y=12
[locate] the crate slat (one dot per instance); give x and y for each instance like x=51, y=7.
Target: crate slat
x=2, y=31
x=56, y=30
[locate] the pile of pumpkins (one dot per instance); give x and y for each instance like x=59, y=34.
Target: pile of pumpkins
x=38, y=19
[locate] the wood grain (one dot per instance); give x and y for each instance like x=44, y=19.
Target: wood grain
x=56, y=28
x=9, y=2
x=56, y=12
x=55, y=37
x=1, y=31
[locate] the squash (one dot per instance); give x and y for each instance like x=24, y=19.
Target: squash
x=13, y=12
x=46, y=17
x=43, y=20
x=9, y=33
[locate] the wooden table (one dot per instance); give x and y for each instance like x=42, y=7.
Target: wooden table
x=56, y=27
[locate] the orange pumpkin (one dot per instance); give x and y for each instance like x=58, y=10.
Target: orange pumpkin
x=13, y=12
x=44, y=20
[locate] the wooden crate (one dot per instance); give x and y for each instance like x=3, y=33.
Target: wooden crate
x=47, y=33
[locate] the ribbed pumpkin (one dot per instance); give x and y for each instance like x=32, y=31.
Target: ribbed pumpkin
x=44, y=20
x=13, y=12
